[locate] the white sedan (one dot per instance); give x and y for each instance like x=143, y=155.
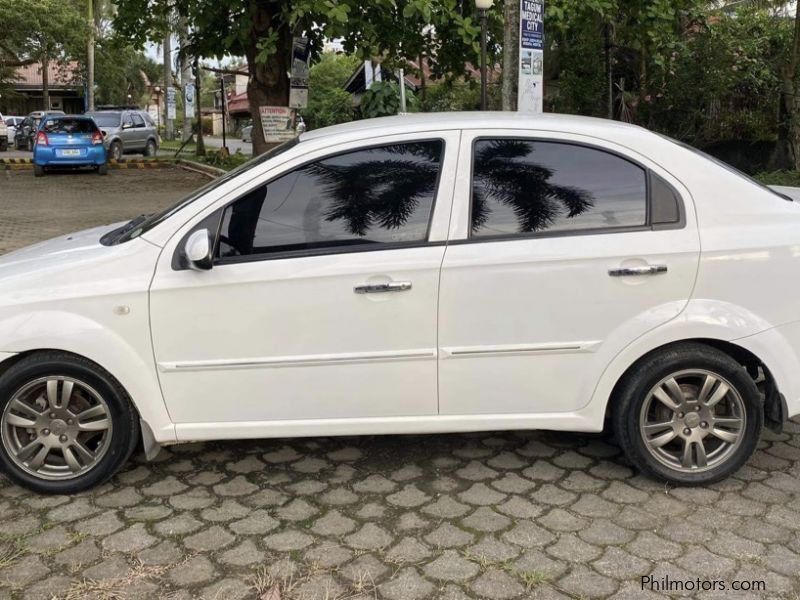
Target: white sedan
x=417, y=274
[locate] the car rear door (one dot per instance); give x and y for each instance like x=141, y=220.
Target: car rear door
x=562, y=251
x=322, y=300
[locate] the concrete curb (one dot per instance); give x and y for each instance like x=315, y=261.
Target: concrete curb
x=197, y=167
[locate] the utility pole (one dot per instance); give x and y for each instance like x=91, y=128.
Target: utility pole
x=90, y=61
x=168, y=131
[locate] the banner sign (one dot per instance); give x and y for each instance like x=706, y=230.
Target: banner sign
x=530, y=98
x=298, y=90
x=171, y=103
x=276, y=123
x=188, y=97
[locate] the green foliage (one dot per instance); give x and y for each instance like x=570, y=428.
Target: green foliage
x=383, y=100
x=328, y=103
x=224, y=161
x=43, y=30
x=121, y=69
x=453, y=95
x=787, y=178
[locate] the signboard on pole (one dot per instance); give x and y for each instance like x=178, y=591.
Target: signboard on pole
x=188, y=100
x=276, y=123
x=530, y=98
x=170, y=102
x=298, y=91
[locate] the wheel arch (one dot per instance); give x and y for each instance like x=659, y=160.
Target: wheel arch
x=775, y=412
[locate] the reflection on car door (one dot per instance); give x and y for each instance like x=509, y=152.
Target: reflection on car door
x=322, y=300
x=563, y=254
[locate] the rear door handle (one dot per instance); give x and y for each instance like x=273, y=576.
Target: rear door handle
x=638, y=271
x=383, y=288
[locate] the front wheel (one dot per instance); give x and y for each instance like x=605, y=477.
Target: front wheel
x=66, y=424
x=689, y=414
x=115, y=150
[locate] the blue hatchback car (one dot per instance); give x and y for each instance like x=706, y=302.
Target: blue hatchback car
x=69, y=141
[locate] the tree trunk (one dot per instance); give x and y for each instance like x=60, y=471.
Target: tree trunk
x=45, y=80
x=786, y=155
x=168, y=130
x=510, y=54
x=90, y=61
x=268, y=84
x=186, y=77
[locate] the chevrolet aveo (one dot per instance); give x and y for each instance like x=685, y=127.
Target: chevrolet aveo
x=417, y=274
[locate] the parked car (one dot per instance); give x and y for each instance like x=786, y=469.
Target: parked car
x=12, y=122
x=417, y=274
x=26, y=130
x=247, y=133
x=127, y=131
x=68, y=142
x=3, y=134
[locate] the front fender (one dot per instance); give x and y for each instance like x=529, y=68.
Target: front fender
x=127, y=357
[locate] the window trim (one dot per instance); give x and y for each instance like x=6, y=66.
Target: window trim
x=350, y=249
x=510, y=237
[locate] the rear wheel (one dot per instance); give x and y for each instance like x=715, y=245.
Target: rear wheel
x=66, y=424
x=115, y=150
x=689, y=414
x=102, y=169
x=150, y=149
x=38, y=170
x=3, y=145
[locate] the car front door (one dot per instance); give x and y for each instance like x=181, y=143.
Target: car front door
x=139, y=131
x=321, y=303
x=127, y=133
x=562, y=251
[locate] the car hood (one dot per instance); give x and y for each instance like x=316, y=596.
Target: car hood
x=58, y=252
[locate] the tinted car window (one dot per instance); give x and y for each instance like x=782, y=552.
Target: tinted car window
x=381, y=195
x=106, y=119
x=524, y=186
x=68, y=126
x=138, y=121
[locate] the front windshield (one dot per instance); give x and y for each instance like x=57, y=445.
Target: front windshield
x=105, y=119
x=142, y=225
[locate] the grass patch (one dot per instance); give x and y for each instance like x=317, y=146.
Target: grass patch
x=787, y=178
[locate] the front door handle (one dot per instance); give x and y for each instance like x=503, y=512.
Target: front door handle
x=638, y=271
x=383, y=288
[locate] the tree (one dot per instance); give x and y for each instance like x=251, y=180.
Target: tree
x=45, y=31
x=328, y=102
x=262, y=32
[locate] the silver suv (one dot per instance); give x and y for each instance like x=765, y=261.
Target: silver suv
x=126, y=131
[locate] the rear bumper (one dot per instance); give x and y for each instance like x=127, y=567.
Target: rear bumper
x=46, y=156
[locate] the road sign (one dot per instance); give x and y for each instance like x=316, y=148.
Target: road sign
x=276, y=123
x=530, y=97
x=298, y=90
x=298, y=97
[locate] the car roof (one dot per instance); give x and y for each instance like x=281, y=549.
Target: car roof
x=418, y=122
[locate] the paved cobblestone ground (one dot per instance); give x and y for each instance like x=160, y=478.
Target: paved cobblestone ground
x=498, y=516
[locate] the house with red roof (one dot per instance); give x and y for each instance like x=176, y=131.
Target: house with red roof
x=65, y=83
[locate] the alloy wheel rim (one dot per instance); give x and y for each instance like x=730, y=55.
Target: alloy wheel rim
x=56, y=428
x=692, y=421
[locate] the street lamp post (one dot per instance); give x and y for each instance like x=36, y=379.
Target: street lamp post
x=483, y=6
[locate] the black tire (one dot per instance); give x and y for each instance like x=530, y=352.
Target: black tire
x=102, y=169
x=3, y=145
x=115, y=151
x=686, y=360
x=150, y=149
x=38, y=171
x=124, y=419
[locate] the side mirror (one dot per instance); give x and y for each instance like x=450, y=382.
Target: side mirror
x=198, y=250
x=127, y=125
